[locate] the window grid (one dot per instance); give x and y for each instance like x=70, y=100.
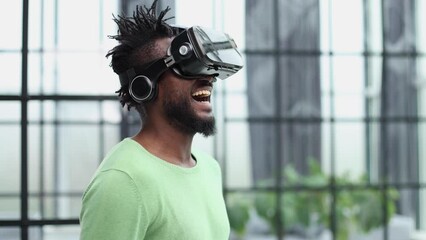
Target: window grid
x=332, y=187
x=25, y=222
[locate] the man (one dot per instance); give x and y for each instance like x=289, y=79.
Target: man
x=154, y=185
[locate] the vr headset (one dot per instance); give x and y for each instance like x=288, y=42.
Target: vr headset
x=194, y=52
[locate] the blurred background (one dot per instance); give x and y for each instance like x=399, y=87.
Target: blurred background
x=319, y=136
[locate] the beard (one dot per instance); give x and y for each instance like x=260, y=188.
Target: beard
x=181, y=114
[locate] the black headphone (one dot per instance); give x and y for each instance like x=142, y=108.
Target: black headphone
x=143, y=80
x=142, y=88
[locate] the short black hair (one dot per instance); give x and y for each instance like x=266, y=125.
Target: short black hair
x=136, y=38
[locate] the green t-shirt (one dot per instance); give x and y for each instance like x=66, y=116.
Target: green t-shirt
x=135, y=195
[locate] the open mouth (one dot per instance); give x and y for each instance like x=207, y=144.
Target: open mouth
x=202, y=96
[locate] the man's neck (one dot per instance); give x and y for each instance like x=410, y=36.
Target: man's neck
x=167, y=143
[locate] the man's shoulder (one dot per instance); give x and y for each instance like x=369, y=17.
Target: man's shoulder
x=123, y=156
x=124, y=161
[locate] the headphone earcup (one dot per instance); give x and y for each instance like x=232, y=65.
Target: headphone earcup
x=142, y=89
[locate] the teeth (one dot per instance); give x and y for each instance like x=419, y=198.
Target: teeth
x=202, y=93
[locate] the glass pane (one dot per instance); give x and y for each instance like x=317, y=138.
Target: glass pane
x=325, y=86
x=374, y=88
x=324, y=25
x=57, y=207
x=421, y=27
x=373, y=153
x=239, y=165
x=298, y=25
x=326, y=107
x=111, y=111
x=325, y=62
x=69, y=26
x=327, y=147
x=348, y=87
x=73, y=111
x=34, y=29
x=34, y=111
x=349, y=106
x=13, y=110
x=111, y=137
x=422, y=210
x=10, y=158
x=349, y=150
x=44, y=207
x=399, y=159
x=9, y=206
x=301, y=153
x=11, y=24
x=48, y=111
x=78, y=156
x=63, y=74
x=10, y=162
x=51, y=232
x=36, y=207
x=375, y=25
x=10, y=233
x=260, y=26
x=421, y=86
x=35, y=154
x=36, y=76
x=71, y=153
x=347, y=25
x=199, y=17
x=78, y=111
x=422, y=152
x=261, y=86
x=348, y=74
x=299, y=87
x=10, y=79
x=236, y=105
x=63, y=176
x=54, y=206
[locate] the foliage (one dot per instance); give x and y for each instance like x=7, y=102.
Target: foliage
x=238, y=214
x=306, y=212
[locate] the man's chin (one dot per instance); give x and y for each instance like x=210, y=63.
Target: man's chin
x=190, y=120
x=207, y=128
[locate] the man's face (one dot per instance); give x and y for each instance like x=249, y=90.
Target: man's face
x=186, y=103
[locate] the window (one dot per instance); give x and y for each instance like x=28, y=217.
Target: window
x=323, y=125
x=59, y=112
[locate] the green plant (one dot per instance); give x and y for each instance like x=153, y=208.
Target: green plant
x=300, y=210
x=238, y=213
x=307, y=212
